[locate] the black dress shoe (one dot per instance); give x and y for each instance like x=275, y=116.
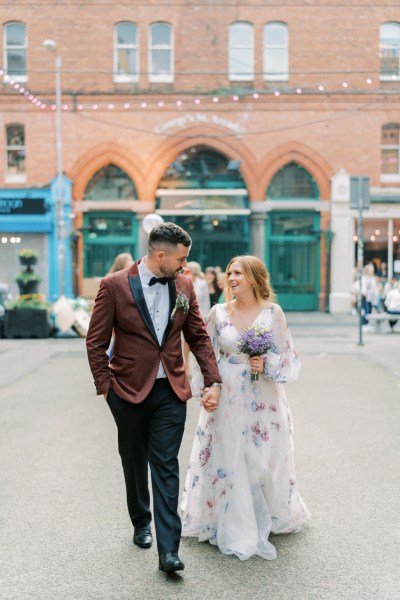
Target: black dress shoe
x=142, y=537
x=170, y=562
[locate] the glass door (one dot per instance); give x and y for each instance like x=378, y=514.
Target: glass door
x=293, y=258
x=105, y=236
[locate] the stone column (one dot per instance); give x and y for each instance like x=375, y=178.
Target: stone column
x=258, y=218
x=342, y=226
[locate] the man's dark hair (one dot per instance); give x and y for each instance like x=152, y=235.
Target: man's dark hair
x=168, y=234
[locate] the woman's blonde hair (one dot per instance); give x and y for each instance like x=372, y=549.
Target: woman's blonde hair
x=121, y=262
x=257, y=275
x=195, y=268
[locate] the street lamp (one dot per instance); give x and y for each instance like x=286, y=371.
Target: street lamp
x=60, y=219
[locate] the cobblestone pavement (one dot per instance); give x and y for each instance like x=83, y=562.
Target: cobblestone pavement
x=64, y=529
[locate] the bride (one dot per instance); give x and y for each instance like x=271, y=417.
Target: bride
x=241, y=481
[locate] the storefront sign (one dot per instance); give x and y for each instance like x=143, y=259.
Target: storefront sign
x=200, y=118
x=22, y=206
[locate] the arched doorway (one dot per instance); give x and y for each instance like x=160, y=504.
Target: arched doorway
x=203, y=191
x=109, y=227
x=292, y=238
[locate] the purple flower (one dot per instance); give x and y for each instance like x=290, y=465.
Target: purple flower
x=204, y=456
x=255, y=341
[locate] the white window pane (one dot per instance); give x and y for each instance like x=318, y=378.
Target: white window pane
x=16, y=62
x=16, y=162
x=240, y=62
x=275, y=62
x=126, y=61
x=390, y=32
x=15, y=34
x=275, y=35
x=240, y=36
x=126, y=34
x=161, y=60
x=390, y=162
x=161, y=34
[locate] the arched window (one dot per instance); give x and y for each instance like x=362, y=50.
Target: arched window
x=241, y=51
x=390, y=151
x=126, y=52
x=15, y=50
x=276, y=51
x=292, y=182
x=161, y=53
x=15, y=153
x=389, y=45
x=201, y=167
x=110, y=183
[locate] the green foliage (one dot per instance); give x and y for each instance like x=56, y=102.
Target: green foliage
x=28, y=301
x=27, y=276
x=28, y=253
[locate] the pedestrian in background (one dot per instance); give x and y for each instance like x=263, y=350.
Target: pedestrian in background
x=392, y=303
x=211, y=278
x=194, y=271
x=149, y=306
x=121, y=261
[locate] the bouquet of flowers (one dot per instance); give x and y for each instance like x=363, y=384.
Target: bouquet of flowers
x=255, y=341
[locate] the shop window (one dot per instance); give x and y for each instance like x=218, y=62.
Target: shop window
x=241, y=51
x=15, y=153
x=202, y=168
x=292, y=182
x=390, y=150
x=126, y=52
x=15, y=45
x=276, y=52
x=161, y=61
x=390, y=50
x=110, y=183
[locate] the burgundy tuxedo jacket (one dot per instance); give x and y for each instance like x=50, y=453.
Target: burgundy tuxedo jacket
x=121, y=308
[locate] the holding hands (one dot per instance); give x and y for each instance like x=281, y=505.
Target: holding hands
x=210, y=398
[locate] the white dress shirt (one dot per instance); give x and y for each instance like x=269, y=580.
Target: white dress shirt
x=157, y=300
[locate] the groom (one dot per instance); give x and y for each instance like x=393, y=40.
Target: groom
x=147, y=307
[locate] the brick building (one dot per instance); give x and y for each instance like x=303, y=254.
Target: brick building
x=240, y=121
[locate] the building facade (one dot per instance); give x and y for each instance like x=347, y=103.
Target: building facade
x=242, y=123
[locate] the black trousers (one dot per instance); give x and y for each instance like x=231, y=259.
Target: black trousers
x=150, y=433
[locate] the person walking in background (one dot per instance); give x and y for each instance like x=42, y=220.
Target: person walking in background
x=121, y=261
x=221, y=282
x=241, y=481
x=194, y=271
x=211, y=278
x=392, y=303
x=200, y=287
x=149, y=306
x=369, y=292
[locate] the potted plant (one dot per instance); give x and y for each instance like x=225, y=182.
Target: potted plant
x=27, y=317
x=28, y=282
x=28, y=257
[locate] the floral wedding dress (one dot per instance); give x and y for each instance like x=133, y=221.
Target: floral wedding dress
x=241, y=481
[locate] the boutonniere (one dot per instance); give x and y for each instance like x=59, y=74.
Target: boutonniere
x=182, y=303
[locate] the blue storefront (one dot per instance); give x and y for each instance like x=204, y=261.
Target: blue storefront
x=28, y=219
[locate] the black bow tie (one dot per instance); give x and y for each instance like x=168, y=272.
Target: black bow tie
x=155, y=280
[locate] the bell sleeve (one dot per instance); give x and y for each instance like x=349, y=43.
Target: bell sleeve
x=281, y=362
x=197, y=381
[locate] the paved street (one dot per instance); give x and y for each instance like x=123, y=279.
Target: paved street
x=65, y=531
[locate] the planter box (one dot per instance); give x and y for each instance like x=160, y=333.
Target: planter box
x=26, y=323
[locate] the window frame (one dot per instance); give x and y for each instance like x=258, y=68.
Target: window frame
x=391, y=176
x=161, y=78
x=12, y=177
x=284, y=76
x=232, y=76
x=124, y=77
x=22, y=78
x=384, y=77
